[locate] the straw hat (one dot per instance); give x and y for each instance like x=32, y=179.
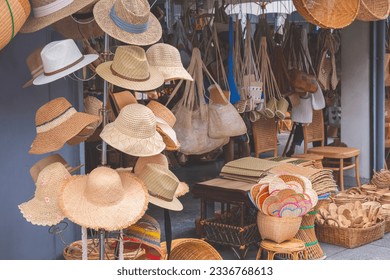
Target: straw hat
x=134, y=132
x=34, y=64
x=80, y=25
x=41, y=164
x=161, y=184
x=57, y=122
x=128, y=21
x=46, y=12
x=162, y=112
x=61, y=58
x=130, y=69
x=167, y=60
x=43, y=209
x=122, y=99
x=104, y=199
x=162, y=160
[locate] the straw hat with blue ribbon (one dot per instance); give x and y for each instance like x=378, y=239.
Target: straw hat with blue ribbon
x=128, y=21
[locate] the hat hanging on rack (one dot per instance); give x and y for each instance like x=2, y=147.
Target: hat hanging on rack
x=161, y=184
x=44, y=209
x=104, y=199
x=56, y=122
x=134, y=132
x=128, y=21
x=34, y=64
x=46, y=12
x=131, y=70
x=167, y=60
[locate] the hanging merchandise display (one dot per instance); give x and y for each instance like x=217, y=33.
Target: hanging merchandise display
x=34, y=64
x=372, y=10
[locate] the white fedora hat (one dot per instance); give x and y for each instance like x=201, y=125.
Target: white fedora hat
x=61, y=58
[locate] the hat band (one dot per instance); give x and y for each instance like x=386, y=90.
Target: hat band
x=64, y=68
x=160, y=197
x=126, y=26
x=51, y=8
x=128, y=78
x=66, y=115
x=37, y=71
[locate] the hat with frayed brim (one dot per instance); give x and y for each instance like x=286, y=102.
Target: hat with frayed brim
x=130, y=69
x=44, y=209
x=57, y=122
x=134, y=132
x=130, y=22
x=162, y=185
x=104, y=199
x=46, y=12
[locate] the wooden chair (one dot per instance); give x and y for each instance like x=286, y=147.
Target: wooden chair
x=292, y=248
x=265, y=136
x=315, y=131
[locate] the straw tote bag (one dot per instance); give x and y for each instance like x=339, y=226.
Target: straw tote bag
x=192, y=113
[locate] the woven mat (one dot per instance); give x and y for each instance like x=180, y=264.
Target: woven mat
x=241, y=171
x=239, y=178
x=252, y=163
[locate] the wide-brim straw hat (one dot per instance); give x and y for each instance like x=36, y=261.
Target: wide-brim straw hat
x=161, y=111
x=34, y=64
x=43, y=209
x=122, y=99
x=80, y=25
x=61, y=58
x=136, y=13
x=134, y=132
x=130, y=70
x=104, y=199
x=50, y=11
x=167, y=60
x=57, y=122
x=168, y=135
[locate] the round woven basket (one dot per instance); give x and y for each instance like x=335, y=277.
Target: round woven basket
x=191, y=249
x=328, y=13
x=371, y=10
x=13, y=14
x=277, y=229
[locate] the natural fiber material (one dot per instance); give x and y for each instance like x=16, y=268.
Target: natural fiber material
x=104, y=199
x=162, y=112
x=162, y=185
x=34, y=64
x=193, y=249
x=372, y=10
x=56, y=122
x=134, y=132
x=265, y=136
x=13, y=14
x=167, y=60
x=135, y=14
x=381, y=179
x=131, y=70
x=63, y=8
x=44, y=209
x=122, y=99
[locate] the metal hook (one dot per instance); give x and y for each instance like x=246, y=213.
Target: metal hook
x=58, y=229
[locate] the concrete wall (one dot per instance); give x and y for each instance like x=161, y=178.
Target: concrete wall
x=355, y=91
x=18, y=238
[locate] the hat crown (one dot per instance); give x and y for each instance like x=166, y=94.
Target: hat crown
x=34, y=62
x=58, y=55
x=49, y=182
x=136, y=121
x=51, y=110
x=164, y=55
x=104, y=187
x=133, y=12
x=131, y=63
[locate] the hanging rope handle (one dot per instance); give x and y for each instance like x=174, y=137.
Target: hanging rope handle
x=219, y=57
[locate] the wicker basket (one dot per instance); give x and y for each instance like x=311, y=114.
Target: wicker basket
x=371, y=10
x=191, y=249
x=349, y=237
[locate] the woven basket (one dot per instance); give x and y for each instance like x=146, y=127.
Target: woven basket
x=328, y=13
x=191, y=249
x=281, y=108
x=371, y=10
x=13, y=14
x=277, y=229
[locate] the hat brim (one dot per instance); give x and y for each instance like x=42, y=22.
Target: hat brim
x=153, y=33
x=155, y=81
x=174, y=73
x=174, y=205
x=70, y=29
x=182, y=189
x=43, y=79
x=55, y=138
x=34, y=24
x=168, y=135
x=132, y=146
x=40, y=213
x=81, y=211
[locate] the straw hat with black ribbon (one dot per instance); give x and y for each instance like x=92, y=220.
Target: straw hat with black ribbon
x=167, y=60
x=130, y=22
x=134, y=132
x=162, y=185
x=44, y=209
x=46, y=12
x=56, y=122
x=80, y=25
x=34, y=64
x=131, y=70
x=61, y=58
x=162, y=160
x=104, y=199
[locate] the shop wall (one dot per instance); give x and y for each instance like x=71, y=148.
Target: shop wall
x=355, y=88
x=18, y=238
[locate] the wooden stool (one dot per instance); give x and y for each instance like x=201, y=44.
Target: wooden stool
x=340, y=154
x=292, y=248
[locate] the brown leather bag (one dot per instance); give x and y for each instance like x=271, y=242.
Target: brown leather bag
x=302, y=81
